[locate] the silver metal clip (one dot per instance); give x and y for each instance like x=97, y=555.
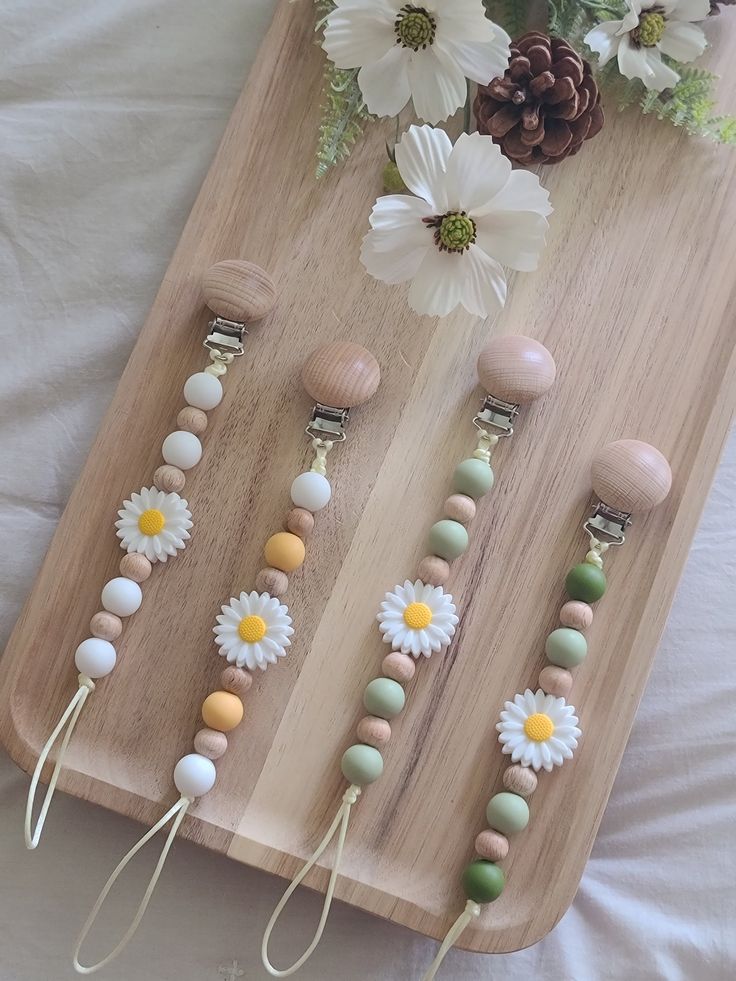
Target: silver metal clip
x=327, y=419
x=497, y=414
x=227, y=334
x=608, y=521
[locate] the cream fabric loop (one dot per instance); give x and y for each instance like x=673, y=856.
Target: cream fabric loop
x=471, y=909
x=71, y=715
x=177, y=812
x=340, y=826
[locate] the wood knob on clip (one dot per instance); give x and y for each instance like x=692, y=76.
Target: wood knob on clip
x=238, y=290
x=630, y=475
x=516, y=369
x=341, y=374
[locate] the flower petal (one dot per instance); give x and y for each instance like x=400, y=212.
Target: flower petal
x=522, y=192
x=604, y=40
x=385, y=83
x=683, y=42
x=438, y=284
x=437, y=85
x=646, y=64
x=515, y=239
x=684, y=10
x=358, y=35
x=476, y=172
x=484, y=289
x=480, y=59
x=421, y=156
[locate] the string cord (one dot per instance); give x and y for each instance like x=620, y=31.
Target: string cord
x=472, y=909
x=340, y=826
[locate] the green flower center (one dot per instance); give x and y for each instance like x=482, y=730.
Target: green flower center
x=414, y=27
x=456, y=231
x=651, y=28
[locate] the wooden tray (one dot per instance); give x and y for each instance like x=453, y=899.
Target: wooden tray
x=633, y=299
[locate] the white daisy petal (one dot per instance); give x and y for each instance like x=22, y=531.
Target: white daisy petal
x=686, y=9
x=164, y=528
x=423, y=633
x=604, y=40
x=683, y=42
x=257, y=651
x=437, y=84
x=539, y=753
x=484, y=289
x=384, y=84
x=421, y=156
x=355, y=35
x=476, y=172
x=513, y=239
x=437, y=287
x=522, y=192
x=480, y=60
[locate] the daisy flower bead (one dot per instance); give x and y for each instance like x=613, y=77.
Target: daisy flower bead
x=538, y=730
x=417, y=619
x=253, y=631
x=154, y=523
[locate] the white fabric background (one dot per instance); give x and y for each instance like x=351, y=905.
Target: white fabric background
x=110, y=113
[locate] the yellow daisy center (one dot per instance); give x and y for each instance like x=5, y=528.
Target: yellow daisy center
x=417, y=616
x=539, y=727
x=151, y=522
x=252, y=629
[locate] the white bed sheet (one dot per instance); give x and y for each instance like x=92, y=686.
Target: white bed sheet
x=110, y=111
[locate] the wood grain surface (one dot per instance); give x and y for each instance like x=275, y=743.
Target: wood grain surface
x=635, y=299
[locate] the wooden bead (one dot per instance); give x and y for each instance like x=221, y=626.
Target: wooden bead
x=210, y=743
x=577, y=615
x=170, y=479
x=433, y=570
x=629, y=475
x=492, y=845
x=238, y=290
x=398, y=667
x=555, y=681
x=106, y=626
x=236, y=680
x=222, y=710
x=136, y=567
x=341, y=374
x=520, y=780
x=284, y=551
x=272, y=581
x=516, y=369
x=460, y=508
x=192, y=420
x=374, y=731
x=300, y=522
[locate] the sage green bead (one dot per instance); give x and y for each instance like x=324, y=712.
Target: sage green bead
x=384, y=698
x=483, y=881
x=448, y=539
x=507, y=813
x=361, y=764
x=585, y=582
x=472, y=477
x=566, y=647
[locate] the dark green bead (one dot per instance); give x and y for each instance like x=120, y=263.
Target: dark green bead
x=585, y=582
x=483, y=881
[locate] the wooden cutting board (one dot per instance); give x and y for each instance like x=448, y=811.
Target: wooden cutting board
x=634, y=298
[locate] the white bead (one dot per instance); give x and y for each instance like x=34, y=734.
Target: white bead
x=203, y=391
x=182, y=450
x=95, y=657
x=122, y=596
x=311, y=491
x=194, y=775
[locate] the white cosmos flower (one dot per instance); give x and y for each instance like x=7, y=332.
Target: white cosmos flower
x=471, y=214
x=650, y=29
x=417, y=619
x=154, y=523
x=539, y=730
x=253, y=630
x=419, y=51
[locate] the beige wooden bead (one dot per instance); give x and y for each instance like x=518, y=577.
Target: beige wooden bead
x=169, y=479
x=106, y=626
x=460, y=507
x=492, y=845
x=398, y=667
x=631, y=476
x=236, y=680
x=520, y=780
x=516, y=369
x=210, y=743
x=433, y=570
x=136, y=567
x=373, y=731
x=577, y=615
x=300, y=522
x=238, y=290
x=341, y=374
x=272, y=581
x=192, y=420
x=555, y=681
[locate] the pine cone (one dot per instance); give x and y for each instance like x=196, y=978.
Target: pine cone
x=546, y=104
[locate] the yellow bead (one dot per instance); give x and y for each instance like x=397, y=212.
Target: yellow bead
x=222, y=711
x=284, y=551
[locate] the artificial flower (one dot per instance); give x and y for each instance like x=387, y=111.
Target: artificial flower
x=417, y=619
x=650, y=29
x=253, y=630
x=471, y=213
x=538, y=730
x=407, y=51
x=154, y=523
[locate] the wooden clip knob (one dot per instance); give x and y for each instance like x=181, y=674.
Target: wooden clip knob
x=629, y=475
x=516, y=369
x=341, y=375
x=238, y=290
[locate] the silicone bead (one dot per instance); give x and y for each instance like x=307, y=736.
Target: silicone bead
x=182, y=449
x=194, y=775
x=576, y=614
x=373, y=731
x=448, y=539
x=222, y=710
x=311, y=491
x=361, y=764
x=193, y=420
x=135, y=566
x=566, y=647
x=384, y=697
x=284, y=551
x=492, y=846
x=122, y=596
x=203, y=391
x=433, y=570
x=169, y=479
x=472, y=477
x=210, y=743
x=106, y=626
x=483, y=881
x=236, y=680
x=95, y=657
x=507, y=813
x=399, y=667
x=521, y=780
x=460, y=508
x=300, y=522
x=585, y=582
